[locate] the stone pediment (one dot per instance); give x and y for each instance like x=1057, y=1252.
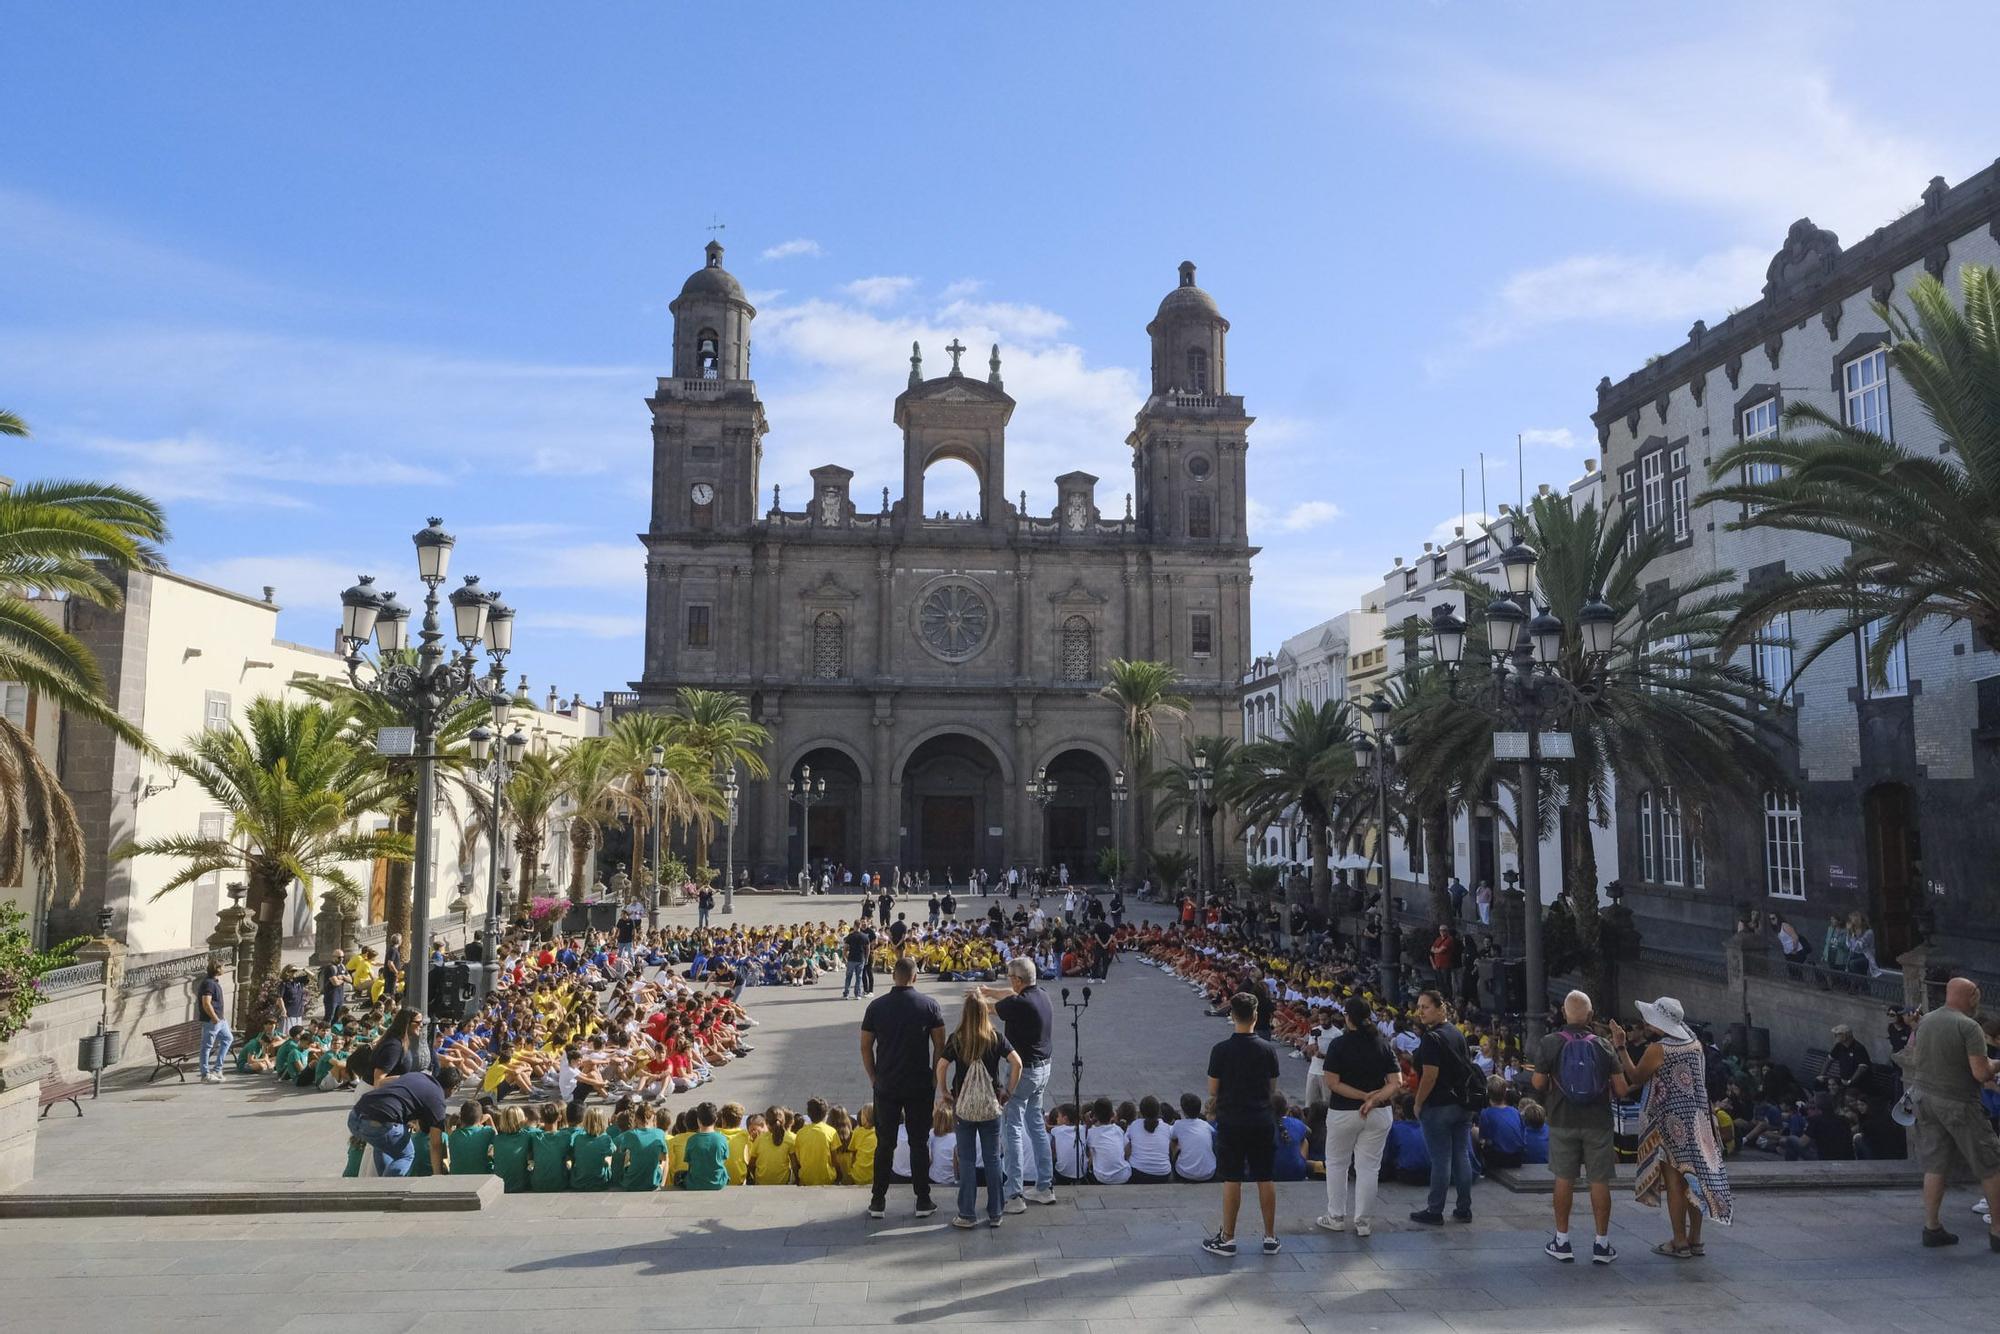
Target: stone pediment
x=955, y=389
x=828, y=589
x=1076, y=595
x=1807, y=257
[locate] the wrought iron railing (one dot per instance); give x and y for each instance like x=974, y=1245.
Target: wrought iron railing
x=1703, y=966
x=181, y=965
x=75, y=977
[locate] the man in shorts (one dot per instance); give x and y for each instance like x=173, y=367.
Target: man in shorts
x=1947, y=1065
x=1577, y=1083
x=1242, y=1077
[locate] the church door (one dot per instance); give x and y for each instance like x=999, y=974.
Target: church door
x=1069, y=841
x=948, y=838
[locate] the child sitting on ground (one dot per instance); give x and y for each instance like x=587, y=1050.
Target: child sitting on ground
x=469, y=1144
x=729, y=1124
x=552, y=1149
x=707, y=1153
x=770, y=1159
x=590, y=1160
x=642, y=1152
x=513, y=1144
x=813, y=1146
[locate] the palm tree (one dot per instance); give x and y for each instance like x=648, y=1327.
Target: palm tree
x=293, y=783
x=1308, y=769
x=688, y=784
x=1176, y=781
x=59, y=540
x=367, y=713
x=598, y=799
x=1923, y=529
x=716, y=727
x=1667, y=711
x=1145, y=695
x=529, y=798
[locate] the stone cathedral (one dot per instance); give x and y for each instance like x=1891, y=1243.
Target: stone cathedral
x=926, y=666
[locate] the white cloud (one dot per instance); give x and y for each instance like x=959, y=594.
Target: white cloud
x=1305, y=514
x=880, y=290
x=594, y=626
x=303, y=583
x=1559, y=437
x=618, y=567
x=218, y=472
x=1014, y=322
x=1618, y=289
x=800, y=246
x=1474, y=523
x=962, y=288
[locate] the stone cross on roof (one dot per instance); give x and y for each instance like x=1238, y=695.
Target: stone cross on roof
x=955, y=348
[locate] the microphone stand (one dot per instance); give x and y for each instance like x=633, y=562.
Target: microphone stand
x=1076, y=1009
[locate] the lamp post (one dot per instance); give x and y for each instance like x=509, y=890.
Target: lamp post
x=656, y=793
x=1525, y=645
x=1119, y=796
x=1379, y=755
x=806, y=792
x=730, y=792
x=425, y=691
x=1042, y=791
x=1204, y=783
x=499, y=767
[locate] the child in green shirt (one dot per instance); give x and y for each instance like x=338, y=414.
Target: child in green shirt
x=553, y=1145
x=420, y=1166
x=643, y=1151
x=707, y=1153
x=469, y=1145
x=512, y=1146
x=590, y=1160
x=290, y=1057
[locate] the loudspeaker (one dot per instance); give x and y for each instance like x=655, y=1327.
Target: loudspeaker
x=1513, y=986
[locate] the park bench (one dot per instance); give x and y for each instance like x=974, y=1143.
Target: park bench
x=63, y=1088
x=173, y=1047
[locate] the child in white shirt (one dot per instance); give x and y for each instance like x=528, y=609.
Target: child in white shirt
x=1104, y=1142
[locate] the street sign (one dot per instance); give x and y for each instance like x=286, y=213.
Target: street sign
x=1510, y=745
x=396, y=741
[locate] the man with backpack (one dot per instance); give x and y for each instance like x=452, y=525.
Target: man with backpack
x=1450, y=1088
x=1577, y=1073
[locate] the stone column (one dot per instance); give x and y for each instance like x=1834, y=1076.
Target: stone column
x=326, y=931
x=1024, y=575
x=885, y=845
x=20, y=1114
x=885, y=616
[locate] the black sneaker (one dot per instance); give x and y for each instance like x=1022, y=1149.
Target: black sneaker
x=1461, y=1215
x=1937, y=1236
x=1272, y=1246
x=1559, y=1250
x=925, y=1209
x=1602, y=1253
x=1220, y=1245
x=1427, y=1218
x=876, y=1211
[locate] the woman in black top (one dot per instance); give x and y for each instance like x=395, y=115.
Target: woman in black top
x=1362, y=1074
x=391, y=1055
x=978, y=1046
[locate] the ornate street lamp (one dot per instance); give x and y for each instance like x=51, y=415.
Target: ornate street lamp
x=656, y=795
x=1119, y=796
x=1380, y=755
x=498, y=767
x=806, y=792
x=1204, y=783
x=1042, y=791
x=730, y=793
x=425, y=692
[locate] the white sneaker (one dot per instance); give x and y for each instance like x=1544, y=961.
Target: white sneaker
x=1039, y=1196
x=1016, y=1205
x=1331, y=1222
x=1363, y=1228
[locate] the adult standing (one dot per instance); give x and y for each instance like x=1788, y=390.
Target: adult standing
x=1457, y=891
x=291, y=999
x=381, y=1119
x=1102, y=932
x=855, y=947
x=1360, y=1075
x=1482, y=899
x=1029, y=1020
x=215, y=1034
x=332, y=985
x=1444, y=1074
x=977, y=1093
x=1946, y=1066
x=704, y=904
x=1576, y=1072
x=1678, y=1148
x=902, y=1038
x=1242, y=1079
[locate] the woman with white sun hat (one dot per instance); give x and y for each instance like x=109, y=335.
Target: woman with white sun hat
x=1678, y=1147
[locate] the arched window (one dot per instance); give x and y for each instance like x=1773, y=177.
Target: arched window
x=1670, y=837
x=1197, y=375
x=1784, y=850
x=1076, y=663
x=708, y=354
x=1200, y=518
x=1646, y=836
x=829, y=647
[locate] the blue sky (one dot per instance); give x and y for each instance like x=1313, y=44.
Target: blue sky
x=312, y=275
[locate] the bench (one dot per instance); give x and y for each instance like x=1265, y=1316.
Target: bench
x=173, y=1047
x=63, y=1088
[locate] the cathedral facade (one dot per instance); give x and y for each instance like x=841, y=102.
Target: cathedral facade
x=926, y=666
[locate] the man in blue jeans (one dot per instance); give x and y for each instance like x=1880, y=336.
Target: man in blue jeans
x=215, y=1034
x=856, y=981
x=1029, y=1020
x=381, y=1119
x=1443, y=1074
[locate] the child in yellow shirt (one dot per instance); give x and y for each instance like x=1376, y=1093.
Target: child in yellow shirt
x=730, y=1123
x=813, y=1144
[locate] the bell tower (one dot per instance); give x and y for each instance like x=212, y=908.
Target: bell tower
x=708, y=426
x=1189, y=441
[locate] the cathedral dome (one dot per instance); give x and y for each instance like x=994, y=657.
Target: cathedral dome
x=712, y=279
x=1187, y=299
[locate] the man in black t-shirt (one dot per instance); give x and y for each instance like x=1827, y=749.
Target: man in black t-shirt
x=902, y=1039
x=1030, y=1022
x=1443, y=1072
x=1103, y=933
x=381, y=1119
x=856, y=950
x=1242, y=1076
x=898, y=930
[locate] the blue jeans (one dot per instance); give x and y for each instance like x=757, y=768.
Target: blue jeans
x=854, y=979
x=988, y=1137
x=1022, y=1133
x=215, y=1040
x=395, y=1148
x=1448, y=1137
x=701, y=917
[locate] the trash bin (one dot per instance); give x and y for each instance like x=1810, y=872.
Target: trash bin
x=90, y=1054
x=114, y=1048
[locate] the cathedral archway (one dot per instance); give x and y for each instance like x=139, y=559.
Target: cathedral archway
x=1076, y=824
x=954, y=802
x=832, y=832
x=952, y=484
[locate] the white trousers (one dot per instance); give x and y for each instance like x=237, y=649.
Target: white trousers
x=1354, y=1139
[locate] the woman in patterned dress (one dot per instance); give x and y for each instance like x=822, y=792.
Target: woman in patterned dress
x=1678, y=1147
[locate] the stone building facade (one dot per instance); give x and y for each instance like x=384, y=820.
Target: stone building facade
x=1890, y=812
x=927, y=666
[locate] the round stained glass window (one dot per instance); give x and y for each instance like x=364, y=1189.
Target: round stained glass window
x=953, y=621
x=1197, y=466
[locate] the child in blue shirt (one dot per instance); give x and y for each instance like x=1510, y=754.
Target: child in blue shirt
x=1405, y=1157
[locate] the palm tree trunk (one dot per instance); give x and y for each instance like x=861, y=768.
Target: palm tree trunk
x=580, y=843
x=1322, y=878
x=529, y=850
x=396, y=894
x=1437, y=837
x=267, y=903
x=1582, y=890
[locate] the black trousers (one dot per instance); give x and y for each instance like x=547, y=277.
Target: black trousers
x=912, y=1111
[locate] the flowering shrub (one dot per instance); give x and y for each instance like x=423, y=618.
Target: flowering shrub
x=541, y=910
x=21, y=965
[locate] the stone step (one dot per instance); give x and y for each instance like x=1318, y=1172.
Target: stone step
x=1750, y=1174
x=339, y=1195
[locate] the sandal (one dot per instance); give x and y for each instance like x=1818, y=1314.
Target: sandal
x=1696, y=1249
x=1673, y=1252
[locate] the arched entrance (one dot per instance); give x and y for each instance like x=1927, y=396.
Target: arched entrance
x=832, y=829
x=1077, y=823
x=954, y=809
x=1889, y=814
